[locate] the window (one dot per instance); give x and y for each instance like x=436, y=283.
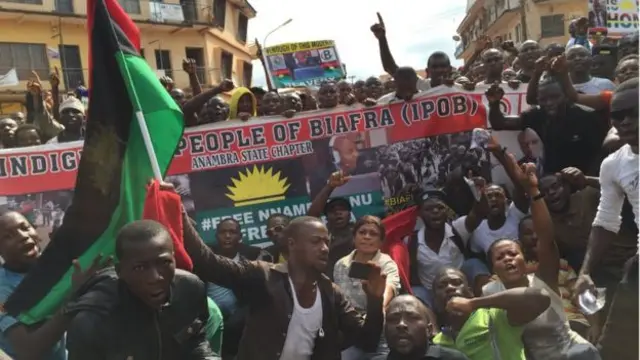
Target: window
x=247, y=71
x=71, y=65
x=226, y=65
x=163, y=62
x=243, y=22
x=219, y=13
x=64, y=6
x=518, y=33
x=130, y=6
x=37, y=2
x=25, y=58
x=197, y=54
x=552, y=25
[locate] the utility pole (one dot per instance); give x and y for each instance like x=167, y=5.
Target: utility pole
x=523, y=19
x=63, y=64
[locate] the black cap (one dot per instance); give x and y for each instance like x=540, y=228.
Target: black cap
x=432, y=194
x=338, y=201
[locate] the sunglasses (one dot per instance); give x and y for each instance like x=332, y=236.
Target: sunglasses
x=274, y=230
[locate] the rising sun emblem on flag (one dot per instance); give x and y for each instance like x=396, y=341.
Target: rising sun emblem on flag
x=257, y=186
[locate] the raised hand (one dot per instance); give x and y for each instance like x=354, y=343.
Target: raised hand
x=226, y=85
x=559, y=65
x=573, y=176
x=289, y=113
x=378, y=29
x=542, y=65
x=494, y=94
x=469, y=86
x=338, y=179
x=79, y=277
x=525, y=173
x=376, y=283
x=460, y=306
x=54, y=77
x=35, y=85
x=189, y=66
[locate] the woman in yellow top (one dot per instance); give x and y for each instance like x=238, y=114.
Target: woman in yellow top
x=242, y=105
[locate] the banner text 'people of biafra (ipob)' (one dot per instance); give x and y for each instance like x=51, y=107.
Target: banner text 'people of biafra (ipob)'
x=268, y=165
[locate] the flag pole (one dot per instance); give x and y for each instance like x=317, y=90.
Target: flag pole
x=146, y=137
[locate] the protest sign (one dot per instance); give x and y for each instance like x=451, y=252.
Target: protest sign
x=616, y=17
x=303, y=63
x=268, y=165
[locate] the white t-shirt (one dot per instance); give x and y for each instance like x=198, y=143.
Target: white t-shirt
x=618, y=177
x=423, y=84
x=595, y=86
x=429, y=262
x=304, y=326
x=482, y=237
x=53, y=140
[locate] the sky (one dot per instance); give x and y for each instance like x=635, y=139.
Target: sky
x=414, y=30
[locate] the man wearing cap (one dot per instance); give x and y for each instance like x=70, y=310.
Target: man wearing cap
x=432, y=244
x=72, y=118
x=338, y=214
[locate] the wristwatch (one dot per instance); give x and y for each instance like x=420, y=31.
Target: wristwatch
x=537, y=197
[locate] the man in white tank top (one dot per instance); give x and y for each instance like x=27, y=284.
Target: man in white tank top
x=295, y=311
x=618, y=178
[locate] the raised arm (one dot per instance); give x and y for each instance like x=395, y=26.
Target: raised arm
x=247, y=277
x=54, y=80
x=193, y=105
x=521, y=304
x=189, y=66
x=388, y=63
x=497, y=119
x=363, y=333
x=594, y=101
x=260, y=56
x=548, y=254
x=510, y=164
x=318, y=203
x=464, y=226
x=542, y=64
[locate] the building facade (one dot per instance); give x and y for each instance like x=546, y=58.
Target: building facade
x=547, y=21
x=40, y=35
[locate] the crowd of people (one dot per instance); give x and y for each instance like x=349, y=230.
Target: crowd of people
x=469, y=269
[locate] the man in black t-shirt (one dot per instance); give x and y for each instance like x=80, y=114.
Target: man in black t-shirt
x=571, y=135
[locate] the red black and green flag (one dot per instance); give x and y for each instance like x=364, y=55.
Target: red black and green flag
x=115, y=165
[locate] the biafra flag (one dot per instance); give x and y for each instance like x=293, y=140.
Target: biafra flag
x=115, y=165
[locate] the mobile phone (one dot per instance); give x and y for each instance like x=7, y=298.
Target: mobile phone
x=360, y=271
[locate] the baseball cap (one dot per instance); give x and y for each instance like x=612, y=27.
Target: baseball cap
x=337, y=201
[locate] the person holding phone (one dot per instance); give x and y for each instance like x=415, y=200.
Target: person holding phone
x=350, y=270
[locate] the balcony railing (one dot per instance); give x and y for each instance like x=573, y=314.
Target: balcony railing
x=169, y=11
